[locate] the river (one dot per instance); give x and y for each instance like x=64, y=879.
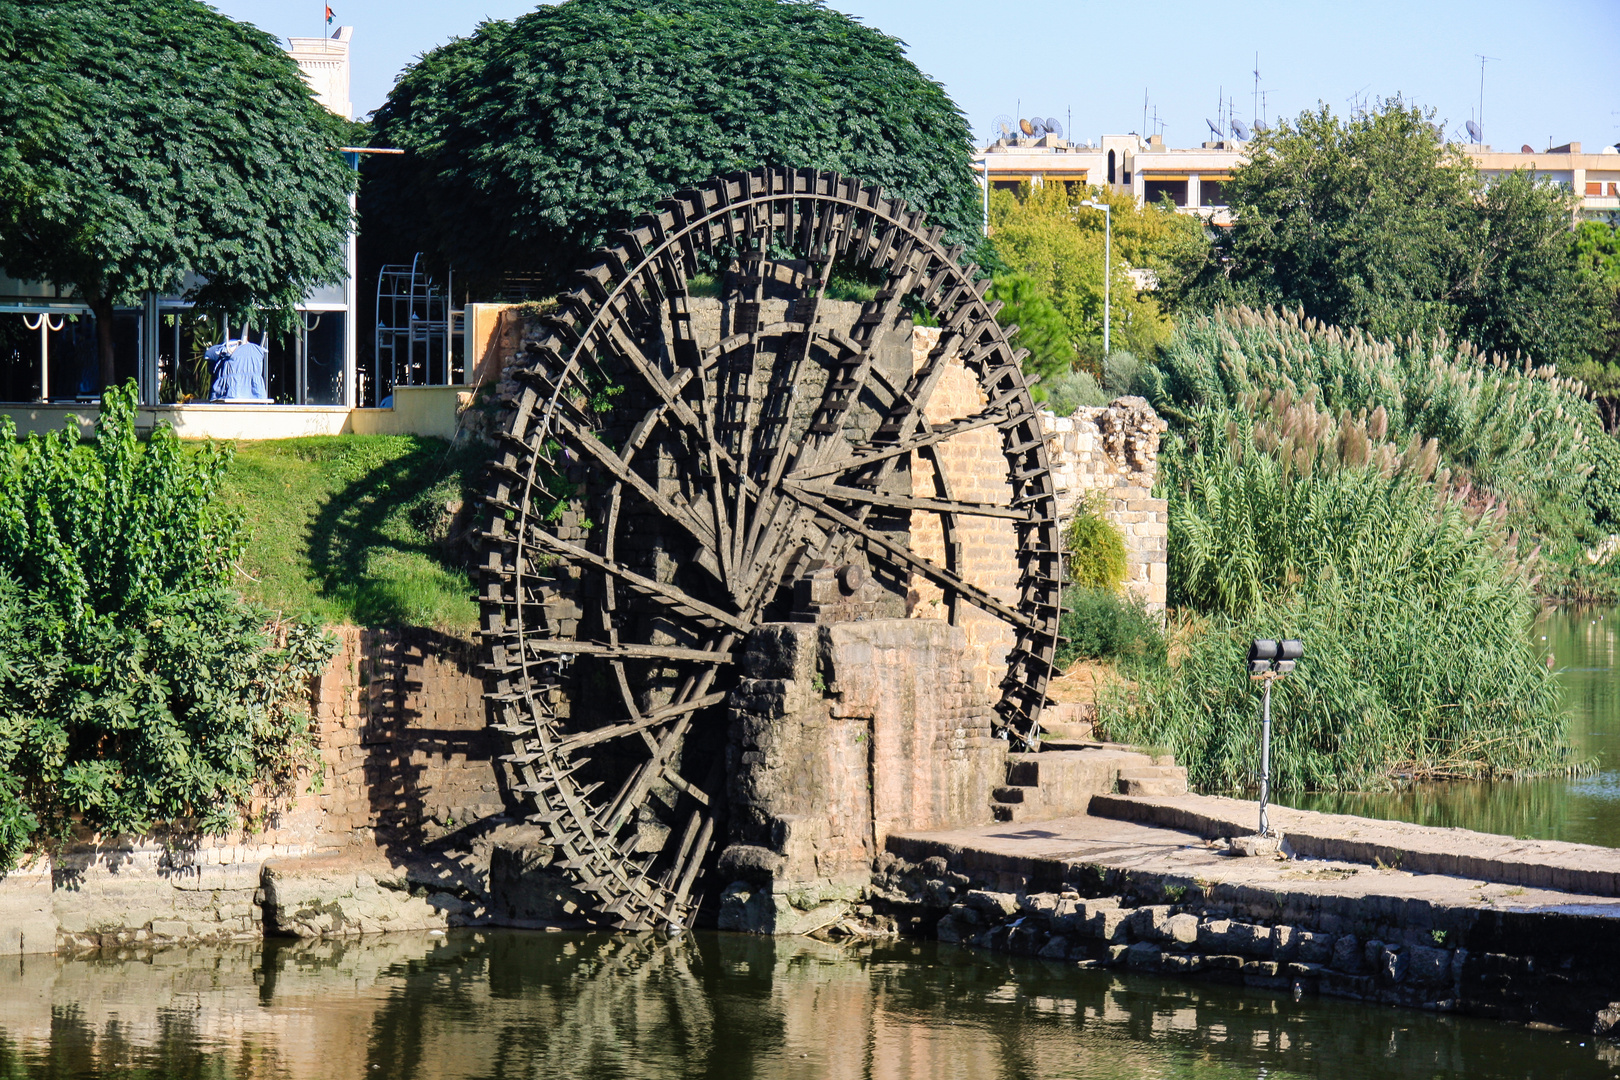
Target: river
x=1583, y=809
x=556, y=1005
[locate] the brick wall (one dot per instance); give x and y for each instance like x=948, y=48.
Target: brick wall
x=402, y=735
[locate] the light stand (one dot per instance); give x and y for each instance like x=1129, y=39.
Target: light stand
x=1270, y=660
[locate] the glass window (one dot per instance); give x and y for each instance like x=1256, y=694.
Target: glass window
x=323, y=357
x=1212, y=192
x=1153, y=189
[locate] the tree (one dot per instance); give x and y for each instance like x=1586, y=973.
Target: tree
x=145, y=145
x=1041, y=327
x=1597, y=251
x=1376, y=223
x=528, y=141
x=1044, y=234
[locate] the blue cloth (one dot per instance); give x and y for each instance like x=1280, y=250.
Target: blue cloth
x=238, y=371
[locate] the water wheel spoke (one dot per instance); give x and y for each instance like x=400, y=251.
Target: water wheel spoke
x=939, y=575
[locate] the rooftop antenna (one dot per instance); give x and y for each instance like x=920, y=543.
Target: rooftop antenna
x=1261, y=124
x=1357, y=102
x=1144, y=112
x=1255, y=113
x=1482, y=61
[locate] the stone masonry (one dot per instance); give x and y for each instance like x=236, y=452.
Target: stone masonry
x=1111, y=453
x=840, y=735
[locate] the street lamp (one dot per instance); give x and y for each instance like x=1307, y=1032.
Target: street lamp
x=1108, y=258
x=1270, y=660
x=983, y=167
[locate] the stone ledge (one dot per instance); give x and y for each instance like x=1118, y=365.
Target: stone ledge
x=1423, y=849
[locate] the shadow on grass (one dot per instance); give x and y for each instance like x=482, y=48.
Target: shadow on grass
x=393, y=546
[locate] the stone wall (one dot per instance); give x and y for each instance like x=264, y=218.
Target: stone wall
x=839, y=736
x=401, y=733
x=1111, y=453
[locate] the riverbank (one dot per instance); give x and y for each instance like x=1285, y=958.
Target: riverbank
x=1146, y=884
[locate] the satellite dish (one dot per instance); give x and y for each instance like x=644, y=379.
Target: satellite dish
x=1526, y=149
x=1054, y=127
x=1259, y=128
x=1473, y=131
x=1037, y=127
x=1240, y=129
x=1003, y=125
x=1024, y=126
x=1215, y=130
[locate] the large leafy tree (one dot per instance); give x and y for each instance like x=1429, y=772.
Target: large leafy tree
x=1055, y=247
x=156, y=144
x=528, y=141
x=1374, y=222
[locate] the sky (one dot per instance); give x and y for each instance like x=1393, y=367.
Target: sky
x=1554, y=76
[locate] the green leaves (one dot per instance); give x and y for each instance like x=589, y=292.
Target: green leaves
x=531, y=139
x=135, y=687
x=1374, y=223
x=145, y=143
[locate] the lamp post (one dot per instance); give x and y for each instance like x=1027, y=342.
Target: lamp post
x=1108, y=259
x=1270, y=660
x=983, y=169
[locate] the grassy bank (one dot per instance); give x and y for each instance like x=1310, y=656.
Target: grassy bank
x=369, y=529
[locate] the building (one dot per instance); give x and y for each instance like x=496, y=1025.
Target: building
x=1194, y=178
x=49, y=365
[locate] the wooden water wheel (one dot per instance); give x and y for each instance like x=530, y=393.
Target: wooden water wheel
x=664, y=486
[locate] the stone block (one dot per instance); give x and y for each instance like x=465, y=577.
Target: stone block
x=1347, y=954
x=996, y=905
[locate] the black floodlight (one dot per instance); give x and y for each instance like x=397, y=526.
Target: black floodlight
x=1262, y=652
x=1289, y=651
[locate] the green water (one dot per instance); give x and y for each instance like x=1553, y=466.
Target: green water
x=1585, y=809
x=537, y=1005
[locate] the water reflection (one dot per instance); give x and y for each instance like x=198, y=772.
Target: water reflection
x=1582, y=642
x=513, y=1004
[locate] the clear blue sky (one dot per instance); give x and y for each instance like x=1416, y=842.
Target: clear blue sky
x=1557, y=75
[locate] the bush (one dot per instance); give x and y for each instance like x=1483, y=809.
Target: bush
x=1099, y=624
x=1072, y=390
x=1096, y=550
x=135, y=687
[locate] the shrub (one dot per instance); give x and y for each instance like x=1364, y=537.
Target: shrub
x=135, y=687
x=1070, y=391
x=1099, y=624
x=1096, y=550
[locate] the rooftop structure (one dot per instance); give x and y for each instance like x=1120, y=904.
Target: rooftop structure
x=1194, y=177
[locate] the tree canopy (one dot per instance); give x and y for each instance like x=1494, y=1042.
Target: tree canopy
x=1374, y=222
x=1054, y=250
x=149, y=145
x=528, y=141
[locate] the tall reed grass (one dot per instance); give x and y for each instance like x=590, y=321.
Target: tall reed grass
x=1504, y=432
x=1416, y=616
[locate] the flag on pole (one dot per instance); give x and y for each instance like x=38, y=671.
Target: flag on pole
x=329, y=15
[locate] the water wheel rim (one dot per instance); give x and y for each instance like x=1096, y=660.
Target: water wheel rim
x=527, y=654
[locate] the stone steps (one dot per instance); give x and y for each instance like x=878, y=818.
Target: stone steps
x=1063, y=777
x=1155, y=780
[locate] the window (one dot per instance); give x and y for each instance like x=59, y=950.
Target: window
x=1111, y=168
x=1594, y=188
x=1212, y=191
x=1152, y=190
